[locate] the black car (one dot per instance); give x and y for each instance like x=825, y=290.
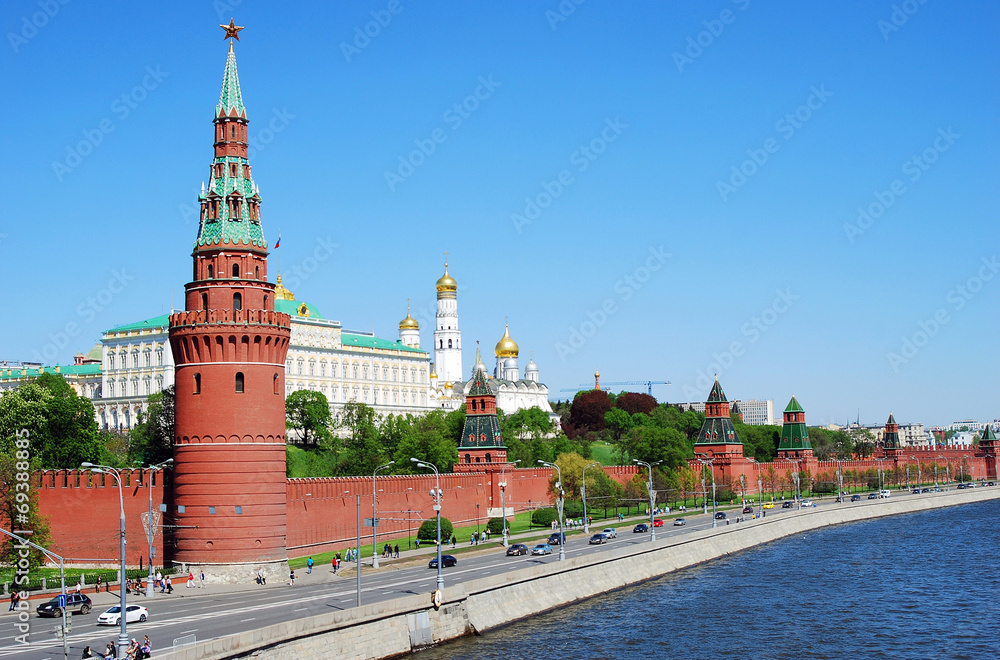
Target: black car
x=598, y=539
x=517, y=549
x=787, y=504
x=557, y=538
x=641, y=528
x=748, y=509
x=873, y=496
x=74, y=603
x=855, y=498
x=915, y=491
x=446, y=561
x=720, y=516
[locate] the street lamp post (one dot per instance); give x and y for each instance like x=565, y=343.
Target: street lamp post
x=562, y=534
x=503, y=500
x=760, y=489
x=583, y=492
x=375, y=516
x=919, y=472
x=709, y=462
x=151, y=532
x=62, y=581
x=649, y=490
x=795, y=481
x=123, y=633
x=436, y=494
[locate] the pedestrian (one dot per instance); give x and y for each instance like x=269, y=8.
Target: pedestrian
x=111, y=653
x=169, y=586
x=396, y=551
x=309, y=565
x=14, y=598
x=98, y=584
x=418, y=544
x=201, y=579
x=190, y=580
x=87, y=653
x=261, y=576
x=79, y=585
x=146, y=649
x=453, y=540
x=291, y=577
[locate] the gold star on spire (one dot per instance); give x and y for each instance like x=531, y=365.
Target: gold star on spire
x=232, y=31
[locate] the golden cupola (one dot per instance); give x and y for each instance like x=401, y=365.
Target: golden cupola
x=280, y=292
x=409, y=323
x=447, y=283
x=506, y=347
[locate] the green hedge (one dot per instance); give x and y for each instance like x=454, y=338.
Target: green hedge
x=428, y=530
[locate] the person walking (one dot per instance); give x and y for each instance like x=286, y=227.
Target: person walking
x=14, y=599
x=99, y=581
x=190, y=580
x=201, y=579
x=87, y=653
x=168, y=585
x=112, y=653
x=309, y=565
x=291, y=577
x=396, y=553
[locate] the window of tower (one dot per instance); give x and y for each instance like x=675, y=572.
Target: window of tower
x=468, y=458
x=265, y=302
x=197, y=384
x=237, y=302
x=204, y=301
x=232, y=168
x=236, y=270
x=449, y=343
x=489, y=458
x=256, y=273
x=239, y=382
x=442, y=344
x=211, y=271
x=232, y=131
x=473, y=404
x=276, y=388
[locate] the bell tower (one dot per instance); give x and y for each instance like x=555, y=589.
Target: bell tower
x=229, y=345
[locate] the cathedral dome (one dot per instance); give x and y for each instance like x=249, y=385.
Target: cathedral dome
x=447, y=282
x=506, y=347
x=409, y=323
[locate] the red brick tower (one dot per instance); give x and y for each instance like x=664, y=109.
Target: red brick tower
x=481, y=448
x=229, y=346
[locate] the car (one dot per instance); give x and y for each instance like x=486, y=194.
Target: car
x=925, y=490
x=113, y=616
x=937, y=489
x=680, y=522
x=990, y=483
x=598, y=539
x=873, y=496
x=855, y=498
x=768, y=505
x=807, y=503
x=78, y=603
x=542, y=549
x=962, y=486
x=787, y=504
x=915, y=491
x=641, y=528
x=446, y=561
x=657, y=523
x=517, y=549
x=610, y=532
x=748, y=509
x=557, y=538
x=720, y=516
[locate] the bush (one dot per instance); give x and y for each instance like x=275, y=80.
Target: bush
x=824, y=487
x=543, y=517
x=495, y=525
x=428, y=530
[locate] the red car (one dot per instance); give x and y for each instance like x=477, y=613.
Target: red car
x=657, y=523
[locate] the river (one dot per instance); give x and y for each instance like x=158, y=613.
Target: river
x=921, y=585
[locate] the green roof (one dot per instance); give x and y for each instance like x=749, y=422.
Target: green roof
x=793, y=406
x=230, y=97
x=368, y=341
x=95, y=353
x=68, y=370
x=988, y=434
x=291, y=307
x=161, y=321
x=717, y=395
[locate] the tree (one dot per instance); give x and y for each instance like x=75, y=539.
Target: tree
x=426, y=439
x=653, y=443
x=152, y=438
x=618, y=422
x=572, y=464
x=308, y=413
x=428, y=530
x=587, y=412
x=635, y=402
x=362, y=450
x=863, y=441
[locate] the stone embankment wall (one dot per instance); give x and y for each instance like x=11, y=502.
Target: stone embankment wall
x=396, y=627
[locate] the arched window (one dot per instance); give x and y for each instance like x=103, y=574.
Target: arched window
x=276, y=383
x=211, y=271
x=237, y=302
x=473, y=404
x=236, y=270
x=239, y=382
x=468, y=458
x=197, y=384
x=232, y=131
x=256, y=273
x=265, y=302
x=449, y=343
x=489, y=459
x=442, y=344
x=204, y=301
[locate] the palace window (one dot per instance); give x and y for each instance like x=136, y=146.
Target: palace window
x=299, y=364
x=159, y=357
x=239, y=382
x=322, y=368
x=135, y=359
x=111, y=361
x=312, y=367
x=354, y=371
x=147, y=357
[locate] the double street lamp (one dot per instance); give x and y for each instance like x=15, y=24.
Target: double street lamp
x=559, y=503
x=375, y=516
x=649, y=489
x=795, y=480
x=919, y=471
x=151, y=532
x=436, y=494
x=123, y=643
x=583, y=493
x=760, y=489
x=708, y=462
x=503, y=500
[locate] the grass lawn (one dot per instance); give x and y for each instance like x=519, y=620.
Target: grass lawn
x=604, y=453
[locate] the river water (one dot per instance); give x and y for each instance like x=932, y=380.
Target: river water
x=921, y=585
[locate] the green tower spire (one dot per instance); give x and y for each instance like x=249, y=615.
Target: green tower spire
x=230, y=98
x=794, y=434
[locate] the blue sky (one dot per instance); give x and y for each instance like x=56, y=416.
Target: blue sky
x=653, y=258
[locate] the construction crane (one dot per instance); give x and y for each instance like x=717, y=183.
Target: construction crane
x=623, y=383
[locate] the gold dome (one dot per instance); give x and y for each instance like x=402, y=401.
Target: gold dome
x=447, y=282
x=409, y=323
x=506, y=347
x=281, y=293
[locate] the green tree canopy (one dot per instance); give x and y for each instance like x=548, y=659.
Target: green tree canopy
x=308, y=413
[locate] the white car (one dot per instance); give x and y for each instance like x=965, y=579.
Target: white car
x=113, y=616
x=610, y=532
x=807, y=503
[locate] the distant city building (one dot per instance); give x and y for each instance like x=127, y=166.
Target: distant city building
x=968, y=424
x=962, y=439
